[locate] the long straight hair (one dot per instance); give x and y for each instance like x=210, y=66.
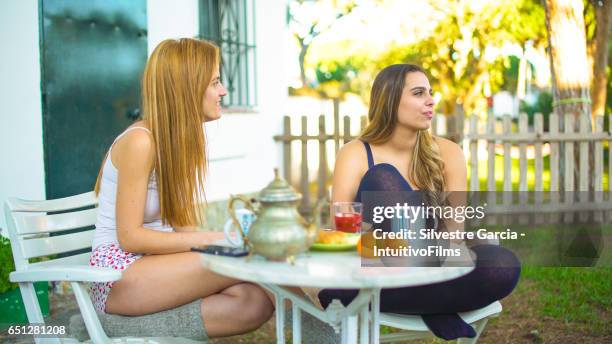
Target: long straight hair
x=174, y=85
x=426, y=167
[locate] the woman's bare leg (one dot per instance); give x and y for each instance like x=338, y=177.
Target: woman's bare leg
x=240, y=308
x=160, y=282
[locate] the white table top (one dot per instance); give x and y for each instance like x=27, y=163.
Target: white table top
x=328, y=270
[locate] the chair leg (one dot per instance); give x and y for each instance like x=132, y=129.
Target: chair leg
x=92, y=323
x=479, y=327
x=364, y=325
x=349, y=329
x=296, y=314
x=280, y=318
x=32, y=308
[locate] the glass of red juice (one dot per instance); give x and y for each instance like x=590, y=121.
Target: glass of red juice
x=347, y=216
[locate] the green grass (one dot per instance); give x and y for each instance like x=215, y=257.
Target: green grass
x=580, y=296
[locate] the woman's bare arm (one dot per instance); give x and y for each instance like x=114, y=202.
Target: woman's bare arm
x=351, y=165
x=455, y=177
x=455, y=168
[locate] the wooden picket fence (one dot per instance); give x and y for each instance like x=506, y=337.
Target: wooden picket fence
x=561, y=138
x=448, y=127
x=577, y=196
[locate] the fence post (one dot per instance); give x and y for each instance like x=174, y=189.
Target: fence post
x=538, y=124
x=507, y=127
x=474, y=181
x=460, y=126
x=323, y=158
x=347, y=130
x=287, y=148
x=539, y=164
x=491, y=184
x=553, y=126
x=585, y=129
x=583, y=180
x=304, y=177
x=568, y=171
x=336, y=124
x=523, y=129
x=598, y=167
x=507, y=191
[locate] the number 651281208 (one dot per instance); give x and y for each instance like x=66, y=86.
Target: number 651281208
x=38, y=330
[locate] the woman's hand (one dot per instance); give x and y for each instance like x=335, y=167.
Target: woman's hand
x=211, y=238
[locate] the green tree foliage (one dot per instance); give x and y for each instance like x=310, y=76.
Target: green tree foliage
x=306, y=22
x=6, y=265
x=463, y=52
x=333, y=78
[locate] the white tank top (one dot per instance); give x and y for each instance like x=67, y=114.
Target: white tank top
x=106, y=223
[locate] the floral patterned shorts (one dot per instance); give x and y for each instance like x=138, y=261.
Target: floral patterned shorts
x=108, y=256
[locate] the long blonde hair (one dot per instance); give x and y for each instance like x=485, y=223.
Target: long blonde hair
x=426, y=167
x=174, y=85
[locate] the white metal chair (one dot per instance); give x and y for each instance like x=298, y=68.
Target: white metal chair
x=415, y=328
x=29, y=226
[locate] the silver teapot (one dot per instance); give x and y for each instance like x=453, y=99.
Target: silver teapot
x=279, y=232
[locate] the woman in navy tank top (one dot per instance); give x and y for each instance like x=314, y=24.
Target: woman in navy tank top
x=396, y=153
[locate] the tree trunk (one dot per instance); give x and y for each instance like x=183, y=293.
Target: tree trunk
x=603, y=25
x=569, y=66
x=301, y=59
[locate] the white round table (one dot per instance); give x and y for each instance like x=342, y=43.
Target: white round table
x=338, y=270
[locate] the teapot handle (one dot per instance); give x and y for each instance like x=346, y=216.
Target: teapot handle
x=316, y=211
x=314, y=226
x=232, y=212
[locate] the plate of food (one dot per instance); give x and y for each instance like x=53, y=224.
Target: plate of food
x=330, y=240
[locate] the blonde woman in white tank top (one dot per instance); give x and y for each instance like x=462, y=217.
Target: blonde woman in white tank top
x=149, y=189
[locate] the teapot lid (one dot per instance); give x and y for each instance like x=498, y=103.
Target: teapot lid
x=278, y=191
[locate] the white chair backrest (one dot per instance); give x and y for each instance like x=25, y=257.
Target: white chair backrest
x=29, y=226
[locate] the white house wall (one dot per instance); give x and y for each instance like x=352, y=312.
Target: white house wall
x=170, y=19
x=241, y=149
x=22, y=171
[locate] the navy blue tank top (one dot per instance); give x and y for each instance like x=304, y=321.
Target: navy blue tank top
x=380, y=177
x=384, y=186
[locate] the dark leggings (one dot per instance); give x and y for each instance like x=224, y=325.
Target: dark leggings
x=495, y=275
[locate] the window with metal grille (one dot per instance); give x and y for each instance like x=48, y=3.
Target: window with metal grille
x=231, y=25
